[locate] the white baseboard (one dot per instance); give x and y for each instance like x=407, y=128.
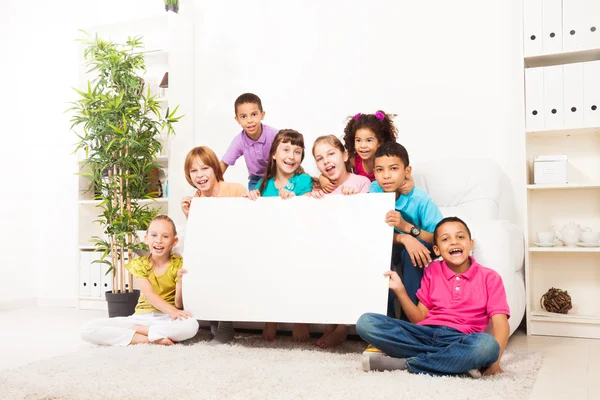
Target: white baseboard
x=55, y=302
x=17, y=303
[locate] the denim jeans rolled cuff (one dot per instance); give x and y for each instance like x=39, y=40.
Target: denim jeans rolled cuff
x=432, y=350
x=252, y=181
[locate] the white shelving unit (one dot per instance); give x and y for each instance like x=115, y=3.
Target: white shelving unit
x=155, y=33
x=575, y=269
x=561, y=56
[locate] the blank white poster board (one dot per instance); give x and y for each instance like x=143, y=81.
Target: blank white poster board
x=295, y=260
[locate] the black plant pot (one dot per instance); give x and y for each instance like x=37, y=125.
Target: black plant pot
x=172, y=7
x=122, y=304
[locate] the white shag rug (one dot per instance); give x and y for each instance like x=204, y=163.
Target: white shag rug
x=250, y=369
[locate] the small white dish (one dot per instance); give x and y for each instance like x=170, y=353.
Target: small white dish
x=552, y=244
x=582, y=244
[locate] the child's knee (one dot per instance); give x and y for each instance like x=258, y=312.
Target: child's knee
x=487, y=349
x=366, y=324
x=189, y=327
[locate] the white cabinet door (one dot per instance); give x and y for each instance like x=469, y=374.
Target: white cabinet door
x=573, y=88
x=552, y=26
x=573, y=24
x=84, y=273
x=534, y=98
x=532, y=27
x=591, y=27
x=553, y=97
x=591, y=93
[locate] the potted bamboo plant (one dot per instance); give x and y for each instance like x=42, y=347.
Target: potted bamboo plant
x=172, y=5
x=118, y=123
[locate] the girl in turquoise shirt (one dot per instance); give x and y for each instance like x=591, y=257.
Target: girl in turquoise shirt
x=284, y=177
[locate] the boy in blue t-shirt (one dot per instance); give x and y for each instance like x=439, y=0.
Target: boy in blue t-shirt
x=414, y=218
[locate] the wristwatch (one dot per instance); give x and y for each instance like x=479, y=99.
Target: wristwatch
x=415, y=231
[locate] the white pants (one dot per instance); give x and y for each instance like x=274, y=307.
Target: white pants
x=119, y=331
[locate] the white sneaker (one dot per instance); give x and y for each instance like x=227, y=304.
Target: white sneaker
x=474, y=373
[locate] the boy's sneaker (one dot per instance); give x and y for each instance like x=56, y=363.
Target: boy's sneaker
x=372, y=350
x=474, y=373
x=377, y=361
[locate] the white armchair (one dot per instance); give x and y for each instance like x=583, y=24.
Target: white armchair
x=478, y=191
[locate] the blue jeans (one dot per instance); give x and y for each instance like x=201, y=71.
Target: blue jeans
x=433, y=350
x=252, y=181
x=411, y=275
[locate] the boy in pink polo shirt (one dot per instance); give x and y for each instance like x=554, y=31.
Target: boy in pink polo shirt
x=457, y=299
x=253, y=142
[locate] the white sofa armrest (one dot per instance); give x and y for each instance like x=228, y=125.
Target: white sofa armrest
x=499, y=245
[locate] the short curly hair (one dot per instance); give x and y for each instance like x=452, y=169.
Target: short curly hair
x=384, y=129
x=247, y=98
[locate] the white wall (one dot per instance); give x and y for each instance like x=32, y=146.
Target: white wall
x=39, y=189
x=451, y=70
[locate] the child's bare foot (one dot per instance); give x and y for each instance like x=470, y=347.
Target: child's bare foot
x=270, y=331
x=327, y=332
x=300, y=332
x=139, y=339
x=335, y=338
x=141, y=329
x=164, y=342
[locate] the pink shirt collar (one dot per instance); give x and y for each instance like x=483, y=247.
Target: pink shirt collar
x=468, y=274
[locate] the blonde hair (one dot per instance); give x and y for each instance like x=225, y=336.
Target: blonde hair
x=208, y=157
x=163, y=217
x=335, y=142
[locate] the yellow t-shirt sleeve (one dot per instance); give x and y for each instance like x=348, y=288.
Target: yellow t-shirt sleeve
x=175, y=266
x=139, y=267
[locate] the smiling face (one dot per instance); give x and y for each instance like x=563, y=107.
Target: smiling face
x=390, y=172
x=249, y=116
x=202, y=175
x=160, y=238
x=287, y=158
x=330, y=160
x=454, y=244
x=365, y=143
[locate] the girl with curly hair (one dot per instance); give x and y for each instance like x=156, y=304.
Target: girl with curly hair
x=363, y=135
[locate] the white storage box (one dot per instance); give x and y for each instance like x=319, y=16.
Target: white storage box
x=551, y=168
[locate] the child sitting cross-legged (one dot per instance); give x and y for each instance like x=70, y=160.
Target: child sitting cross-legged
x=457, y=299
x=159, y=316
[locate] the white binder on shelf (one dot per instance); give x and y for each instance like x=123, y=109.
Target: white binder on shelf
x=573, y=89
x=591, y=93
x=95, y=275
x=105, y=280
x=551, y=26
x=573, y=24
x=591, y=28
x=553, y=97
x=84, y=274
x=534, y=98
x=532, y=27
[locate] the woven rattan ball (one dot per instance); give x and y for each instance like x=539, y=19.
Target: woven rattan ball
x=556, y=301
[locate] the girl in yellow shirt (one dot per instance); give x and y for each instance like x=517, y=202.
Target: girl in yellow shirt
x=159, y=316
